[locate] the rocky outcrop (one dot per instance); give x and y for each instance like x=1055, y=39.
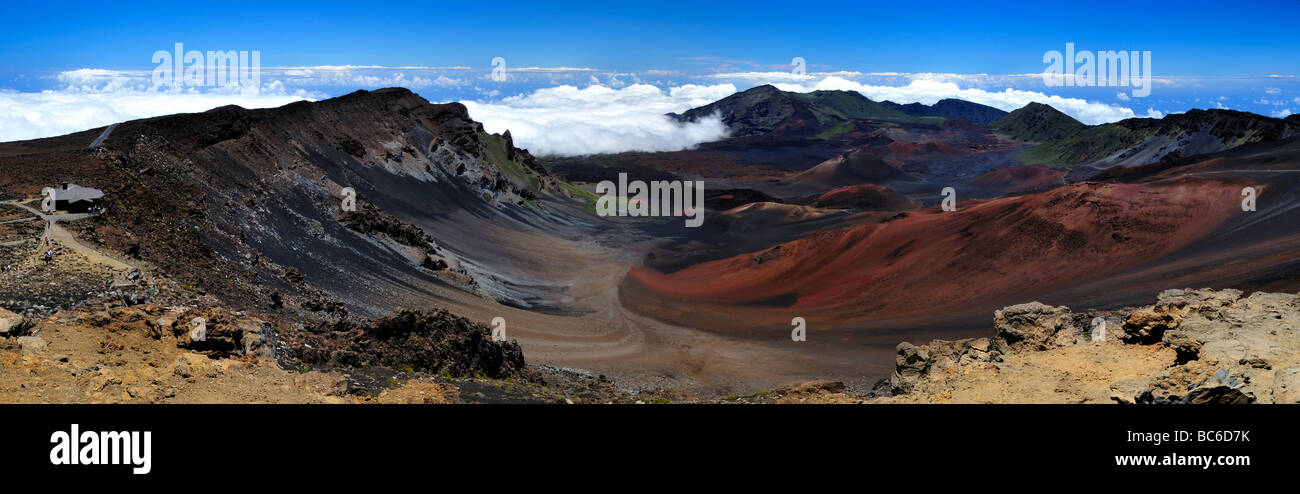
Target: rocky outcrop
x=371, y=220
x=435, y=342
x=1196, y=384
x=1148, y=325
x=913, y=362
x=1033, y=326
x=1218, y=347
x=213, y=332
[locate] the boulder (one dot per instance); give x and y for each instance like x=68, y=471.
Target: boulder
x=10, y=323
x=1205, y=302
x=913, y=363
x=1188, y=347
x=1148, y=325
x=1033, y=326
x=1286, y=385
x=1194, y=384
x=910, y=364
x=32, y=344
x=255, y=336
x=1131, y=391
x=1221, y=388
x=219, y=333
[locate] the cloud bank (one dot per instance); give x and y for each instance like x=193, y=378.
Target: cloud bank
x=565, y=120
x=550, y=114
x=93, y=98
x=52, y=113
x=569, y=121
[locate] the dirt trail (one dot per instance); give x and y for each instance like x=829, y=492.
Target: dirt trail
x=57, y=233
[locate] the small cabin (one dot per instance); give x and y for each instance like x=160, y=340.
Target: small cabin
x=74, y=198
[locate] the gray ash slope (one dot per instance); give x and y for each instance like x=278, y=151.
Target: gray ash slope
x=442, y=203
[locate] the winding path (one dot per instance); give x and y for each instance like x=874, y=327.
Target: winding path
x=58, y=234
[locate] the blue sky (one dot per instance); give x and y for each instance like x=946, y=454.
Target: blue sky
x=78, y=65
x=1189, y=38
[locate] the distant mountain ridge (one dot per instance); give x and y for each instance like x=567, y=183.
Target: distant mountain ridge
x=950, y=108
x=1038, y=122
x=767, y=110
x=1064, y=141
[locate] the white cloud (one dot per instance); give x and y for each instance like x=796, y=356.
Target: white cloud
x=1122, y=96
x=97, y=97
x=364, y=77
x=772, y=77
x=346, y=76
x=566, y=120
x=551, y=69
x=1272, y=90
x=103, y=79
x=1283, y=113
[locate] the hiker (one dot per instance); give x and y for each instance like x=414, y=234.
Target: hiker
x=49, y=255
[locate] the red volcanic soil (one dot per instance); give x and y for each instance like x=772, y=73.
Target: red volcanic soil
x=864, y=197
x=985, y=254
x=1017, y=179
